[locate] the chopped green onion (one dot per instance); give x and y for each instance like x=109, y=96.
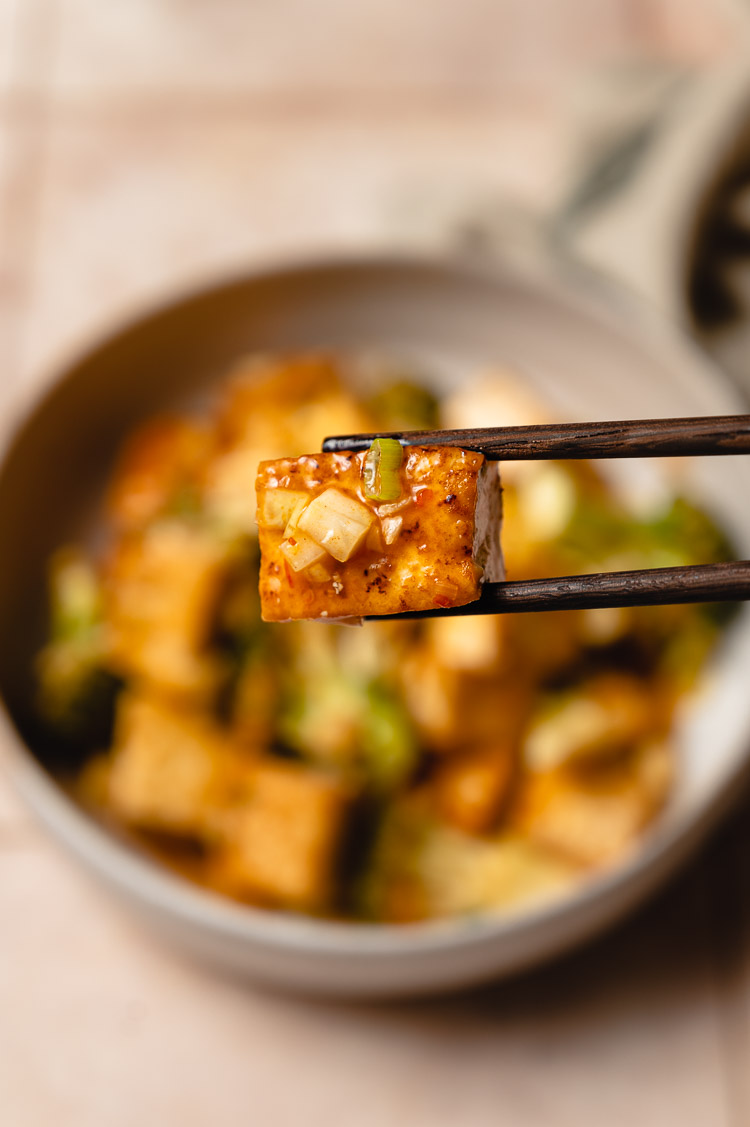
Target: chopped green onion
x=382, y=480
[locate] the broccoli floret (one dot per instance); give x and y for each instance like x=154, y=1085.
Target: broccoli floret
x=690, y=532
x=360, y=725
x=388, y=739
x=76, y=695
x=76, y=691
x=75, y=597
x=405, y=406
x=681, y=535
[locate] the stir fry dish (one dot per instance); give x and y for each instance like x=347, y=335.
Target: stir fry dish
x=382, y=532
x=394, y=773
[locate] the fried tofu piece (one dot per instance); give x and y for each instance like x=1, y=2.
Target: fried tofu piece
x=593, y=722
x=158, y=467
x=458, y=708
x=161, y=591
x=173, y=770
x=464, y=874
x=422, y=869
x=471, y=788
x=287, y=838
x=594, y=817
x=255, y=701
x=273, y=407
x=330, y=551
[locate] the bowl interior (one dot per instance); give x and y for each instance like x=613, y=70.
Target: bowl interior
x=591, y=359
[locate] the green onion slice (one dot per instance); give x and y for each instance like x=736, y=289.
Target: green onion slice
x=382, y=480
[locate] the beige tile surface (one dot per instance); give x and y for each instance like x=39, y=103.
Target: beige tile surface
x=8, y=13
x=291, y=44
x=13, y=229
x=13, y=814
x=139, y=202
x=27, y=43
x=21, y=149
x=28, y=37
x=109, y=1029
x=7, y=275
x=479, y=46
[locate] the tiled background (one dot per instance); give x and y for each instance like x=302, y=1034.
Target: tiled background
x=149, y=142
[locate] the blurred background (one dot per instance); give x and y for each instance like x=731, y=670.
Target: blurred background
x=150, y=144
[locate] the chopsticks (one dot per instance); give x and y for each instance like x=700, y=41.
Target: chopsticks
x=701, y=583
x=639, y=438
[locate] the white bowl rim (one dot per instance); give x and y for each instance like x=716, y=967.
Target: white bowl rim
x=144, y=879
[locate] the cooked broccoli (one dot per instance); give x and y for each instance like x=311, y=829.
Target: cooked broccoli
x=76, y=691
x=387, y=739
x=358, y=724
x=681, y=535
x=405, y=406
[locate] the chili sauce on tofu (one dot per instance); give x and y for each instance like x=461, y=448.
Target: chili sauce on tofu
x=330, y=549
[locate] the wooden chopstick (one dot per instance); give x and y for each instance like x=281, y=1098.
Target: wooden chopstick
x=701, y=583
x=639, y=438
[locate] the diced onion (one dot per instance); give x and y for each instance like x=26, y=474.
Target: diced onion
x=337, y=523
x=380, y=473
x=319, y=572
x=396, y=507
x=391, y=527
x=301, y=551
x=278, y=506
x=296, y=513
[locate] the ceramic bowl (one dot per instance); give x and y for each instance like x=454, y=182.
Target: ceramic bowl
x=592, y=351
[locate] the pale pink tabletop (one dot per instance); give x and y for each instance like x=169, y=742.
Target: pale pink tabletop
x=153, y=142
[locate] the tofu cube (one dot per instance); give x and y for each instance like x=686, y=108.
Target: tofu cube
x=287, y=837
x=161, y=461
x=161, y=592
x=432, y=546
x=171, y=770
x=592, y=818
